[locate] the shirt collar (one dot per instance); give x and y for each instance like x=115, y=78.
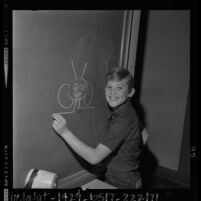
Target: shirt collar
x=122, y=107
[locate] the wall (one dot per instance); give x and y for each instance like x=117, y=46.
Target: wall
x=165, y=82
x=51, y=50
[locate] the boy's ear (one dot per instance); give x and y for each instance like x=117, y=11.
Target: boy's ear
x=131, y=93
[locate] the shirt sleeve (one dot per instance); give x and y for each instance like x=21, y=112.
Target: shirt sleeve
x=115, y=134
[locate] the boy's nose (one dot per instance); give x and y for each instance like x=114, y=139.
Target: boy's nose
x=113, y=91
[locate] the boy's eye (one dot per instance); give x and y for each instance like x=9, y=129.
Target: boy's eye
x=108, y=87
x=119, y=88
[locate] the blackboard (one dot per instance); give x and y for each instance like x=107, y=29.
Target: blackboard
x=56, y=53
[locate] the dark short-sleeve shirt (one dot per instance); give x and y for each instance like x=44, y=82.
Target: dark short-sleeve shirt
x=123, y=136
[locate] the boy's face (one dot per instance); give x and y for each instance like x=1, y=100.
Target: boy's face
x=116, y=92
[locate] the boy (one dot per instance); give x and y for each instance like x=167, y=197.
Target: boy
x=122, y=139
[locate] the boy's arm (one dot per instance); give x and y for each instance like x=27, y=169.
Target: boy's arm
x=90, y=154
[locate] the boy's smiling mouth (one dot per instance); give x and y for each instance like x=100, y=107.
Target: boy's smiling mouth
x=113, y=98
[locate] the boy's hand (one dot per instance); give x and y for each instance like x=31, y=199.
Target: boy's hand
x=59, y=124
